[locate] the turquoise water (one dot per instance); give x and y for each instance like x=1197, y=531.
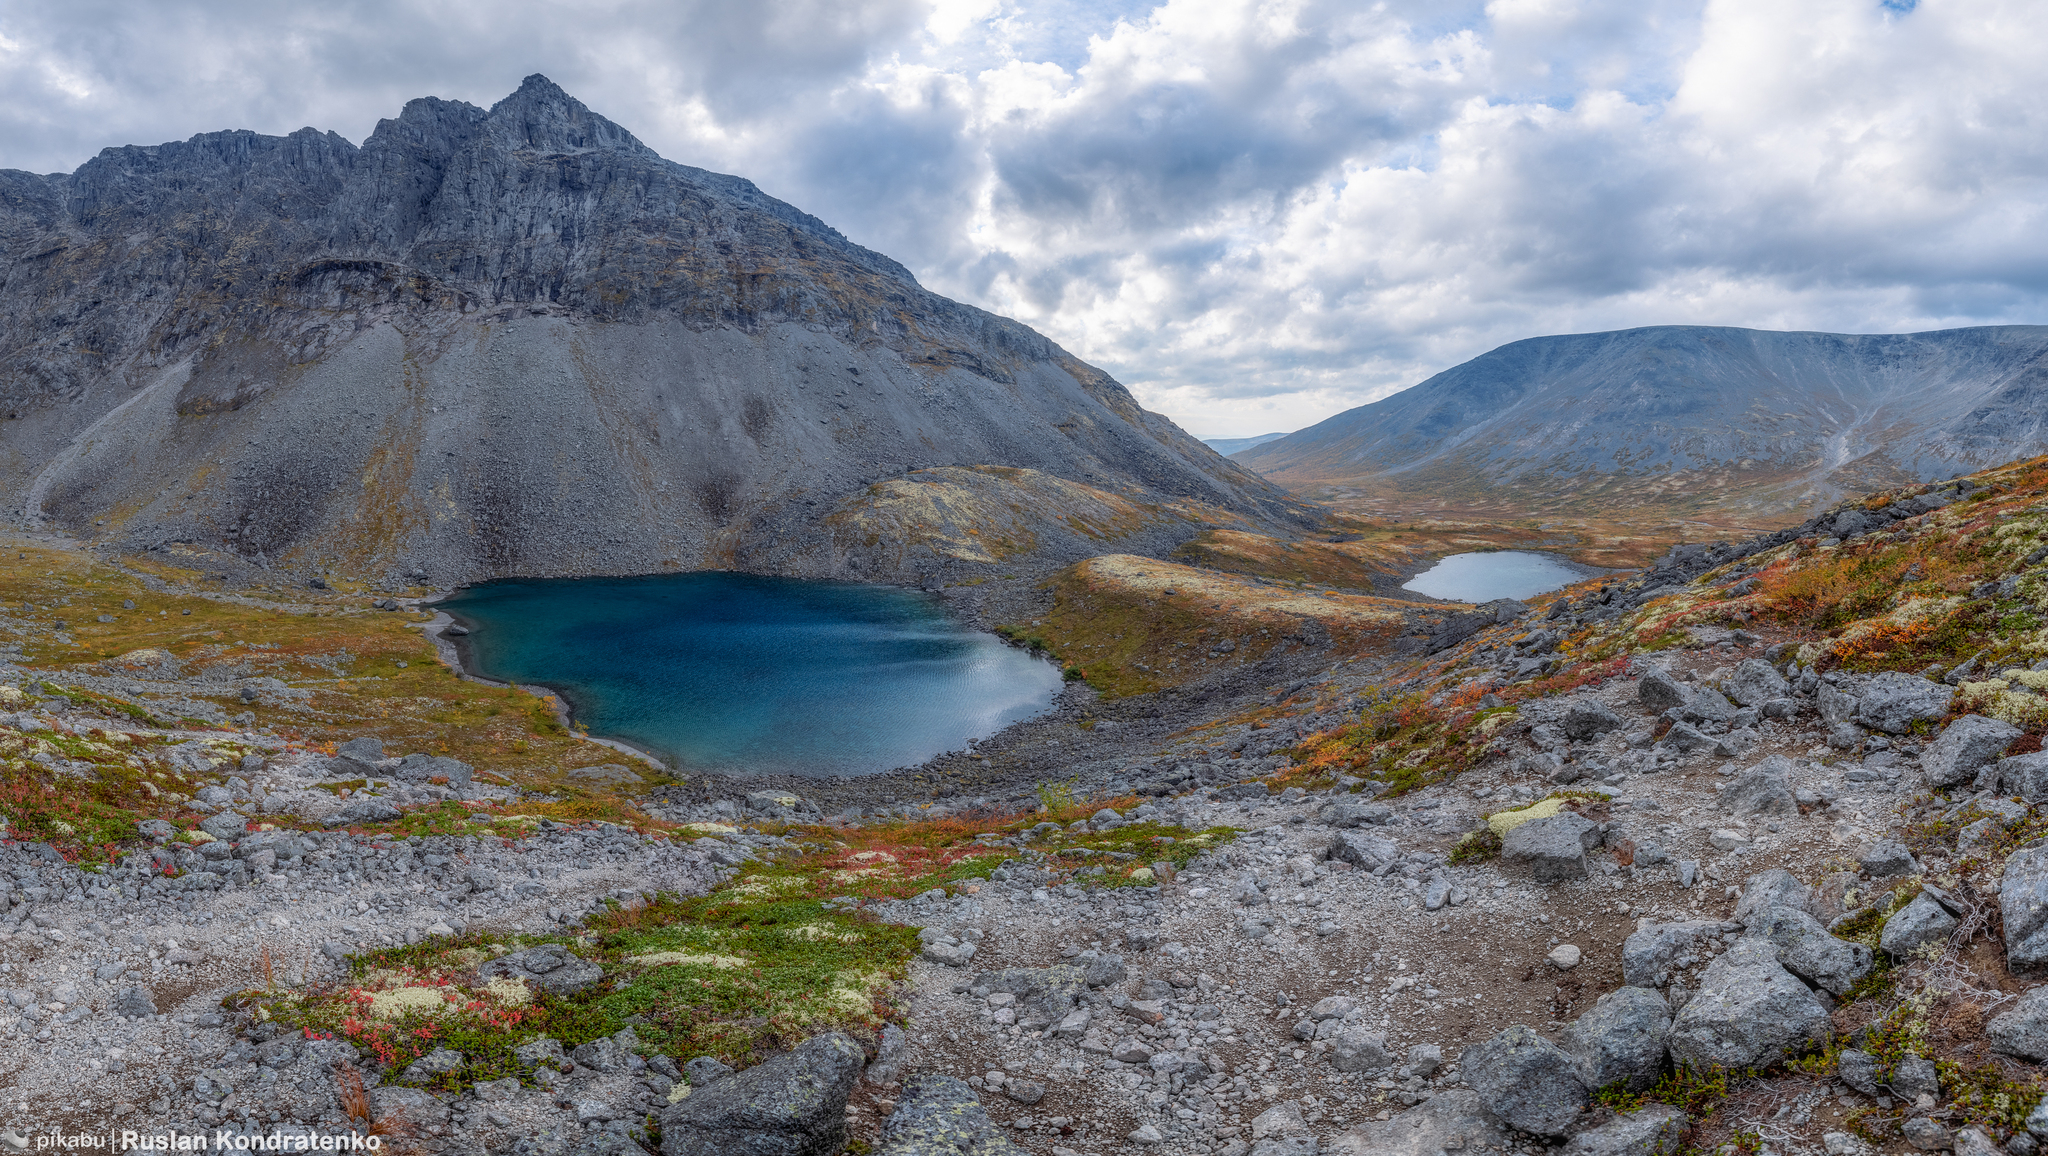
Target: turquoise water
x=1495, y=574
x=741, y=674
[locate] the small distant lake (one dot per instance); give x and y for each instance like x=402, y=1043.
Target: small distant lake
x=1483, y=577
x=743, y=674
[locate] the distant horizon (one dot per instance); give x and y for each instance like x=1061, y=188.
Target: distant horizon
x=1215, y=437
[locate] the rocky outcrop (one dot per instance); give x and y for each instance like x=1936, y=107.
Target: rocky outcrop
x=454, y=350
x=792, y=1105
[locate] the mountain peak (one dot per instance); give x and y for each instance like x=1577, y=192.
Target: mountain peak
x=541, y=117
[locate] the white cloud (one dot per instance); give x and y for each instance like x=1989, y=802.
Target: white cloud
x=1256, y=212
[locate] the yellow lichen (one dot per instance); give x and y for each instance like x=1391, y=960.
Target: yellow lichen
x=1507, y=821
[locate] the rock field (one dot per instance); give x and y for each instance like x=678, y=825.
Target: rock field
x=1644, y=868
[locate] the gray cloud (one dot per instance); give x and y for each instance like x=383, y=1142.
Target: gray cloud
x=1255, y=213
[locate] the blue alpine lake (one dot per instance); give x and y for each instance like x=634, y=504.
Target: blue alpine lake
x=742, y=674
x=1485, y=576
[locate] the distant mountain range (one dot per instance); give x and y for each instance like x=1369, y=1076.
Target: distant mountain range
x=1228, y=446
x=516, y=341
x=1687, y=417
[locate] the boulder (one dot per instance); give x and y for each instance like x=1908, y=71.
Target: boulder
x=2023, y=775
x=1657, y=1130
x=1589, y=719
x=1045, y=995
x=1526, y=1082
x=1966, y=746
x=1764, y=890
x=1448, y=1121
x=1764, y=789
x=1620, y=1039
x=1748, y=1012
x=1359, y=1050
x=427, y=768
x=1917, y=924
x=1756, y=682
x=135, y=1002
x=1837, y=706
x=791, y=1105
x=1658, y=691
x=549, y=967
x=1914, y=1077
x=939, y=1116
x=364, y=750
x=420, y=1109
x=2023, y=903
x=1355, y=814
x=1859, y=1070
x=1893, y=702
x=364, y=811
x=1100, y=968
x=2022, y=1028
x=1364, y=851
x=1552, y=849
x=602, y=1054
x=705, y=1070
x=438, y=1062
x=1886, y=859
x=1807, y=950
x=1652, y=952
x=226, y=825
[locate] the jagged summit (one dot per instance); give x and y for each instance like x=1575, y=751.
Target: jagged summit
x=540, y=116
x=517, y=340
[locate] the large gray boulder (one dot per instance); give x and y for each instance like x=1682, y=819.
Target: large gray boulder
x=1453, y=1121
x=1837, y=707
x=1526, y=1082
x=1749, y=1012
x=549, y=967
x=1764, y=890
x=1620, y=1039
x=1914, y=926
x=1966, y=746
x=1764, y=789
x=1893, y=702
x=791, y=1105
x=1044, y=994
x=1589, y=719
x=940, y=1116
x=1359, y=1050
x=1658, y=691
x=1807, y=950
x=1653, y=951
x=1551, y=849
x=1657, y=1130
x=426, y=768
x=1364, y=851
x=2023, y=775
x=2021, y=1029
x=2023, y=903
x=1756, y=682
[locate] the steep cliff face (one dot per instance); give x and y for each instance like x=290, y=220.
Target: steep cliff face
x=1689, y=415
x=516, y=341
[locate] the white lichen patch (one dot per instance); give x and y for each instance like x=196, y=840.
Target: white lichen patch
x=813, y=932
x=402, y=1001
x=704, y=959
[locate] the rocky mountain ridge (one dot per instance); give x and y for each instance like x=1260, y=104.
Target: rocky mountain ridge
x=1688, y=417
x=516, y=340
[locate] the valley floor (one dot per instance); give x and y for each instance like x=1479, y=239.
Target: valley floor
x=1731, y=846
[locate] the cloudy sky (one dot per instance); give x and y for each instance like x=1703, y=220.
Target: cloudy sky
x=1254, y=214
